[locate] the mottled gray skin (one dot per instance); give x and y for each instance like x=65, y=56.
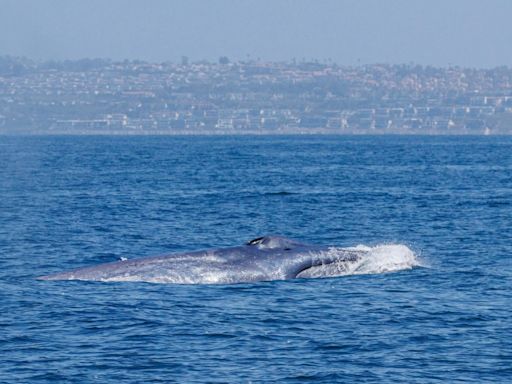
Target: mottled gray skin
x=265, y=258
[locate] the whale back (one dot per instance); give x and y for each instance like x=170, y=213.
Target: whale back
x=262, y=258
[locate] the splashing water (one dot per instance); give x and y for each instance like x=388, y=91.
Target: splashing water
x=373, y=260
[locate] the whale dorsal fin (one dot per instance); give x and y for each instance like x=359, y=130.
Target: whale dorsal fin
x=273, y=242
x=256, y=241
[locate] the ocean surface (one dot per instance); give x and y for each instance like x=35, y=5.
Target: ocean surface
x=67, y=202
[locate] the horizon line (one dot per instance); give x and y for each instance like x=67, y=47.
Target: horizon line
x=290, y=61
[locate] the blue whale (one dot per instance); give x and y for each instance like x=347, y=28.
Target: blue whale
x=261, y=259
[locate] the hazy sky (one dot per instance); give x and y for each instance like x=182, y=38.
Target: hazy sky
x=474, y=33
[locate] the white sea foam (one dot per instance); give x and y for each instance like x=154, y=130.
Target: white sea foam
x=387, y=258
x=370, y=260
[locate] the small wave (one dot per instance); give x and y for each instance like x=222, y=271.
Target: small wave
x=280, y=193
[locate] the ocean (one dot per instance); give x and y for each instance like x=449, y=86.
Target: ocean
x=71, y=201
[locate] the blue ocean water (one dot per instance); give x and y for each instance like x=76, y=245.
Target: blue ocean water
x=73, y=201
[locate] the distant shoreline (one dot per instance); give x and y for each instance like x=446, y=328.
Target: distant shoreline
x=255, y=134
x=257, y=98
